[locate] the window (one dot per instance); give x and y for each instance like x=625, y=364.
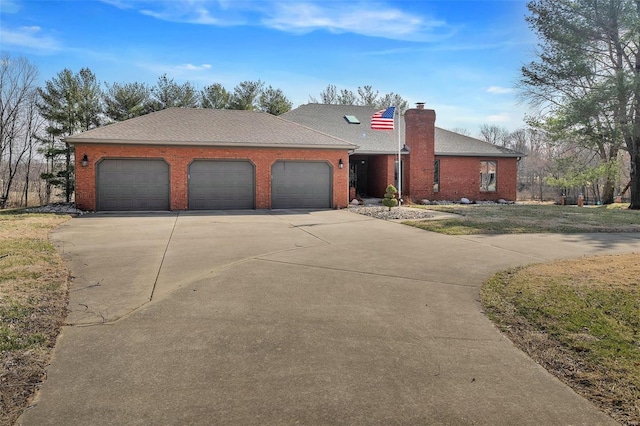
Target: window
x=488, y=176
x=352, y=119
x=436, y=176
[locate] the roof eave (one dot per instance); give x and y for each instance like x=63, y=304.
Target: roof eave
x=75, y=141
x=478, y=154
x=359, y=152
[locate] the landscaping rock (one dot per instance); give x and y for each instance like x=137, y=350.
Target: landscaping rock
x=59, y=208
x=403, y=213
x=464, y=201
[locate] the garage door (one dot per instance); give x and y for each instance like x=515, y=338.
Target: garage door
x=127, y=184
x=300, y=184
x=221, y=185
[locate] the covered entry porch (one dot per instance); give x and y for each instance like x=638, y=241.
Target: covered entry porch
x=370, y=175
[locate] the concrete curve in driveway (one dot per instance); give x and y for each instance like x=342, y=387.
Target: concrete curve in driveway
x=295, y=317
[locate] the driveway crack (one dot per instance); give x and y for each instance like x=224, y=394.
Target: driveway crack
x=376, y=274
x=164, y=254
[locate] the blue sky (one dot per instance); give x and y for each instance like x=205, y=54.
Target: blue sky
x=460, y=57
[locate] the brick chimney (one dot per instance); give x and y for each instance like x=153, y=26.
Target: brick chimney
x=418, y=165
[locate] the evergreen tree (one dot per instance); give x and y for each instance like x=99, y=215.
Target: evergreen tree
x=274, y=101
x=215, y=96
x=390, y=199
x=246, y=95
x=70, y=103
x=127, y=100
x=169, y=94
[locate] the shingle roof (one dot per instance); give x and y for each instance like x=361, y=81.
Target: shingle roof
x=330, y=119
x=450, y=143
x=189, y=126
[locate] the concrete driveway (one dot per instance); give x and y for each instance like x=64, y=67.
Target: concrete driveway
x=328, y=317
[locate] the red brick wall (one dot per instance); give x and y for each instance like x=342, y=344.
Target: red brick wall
x=381, y=174
x=460, y=177
x=420, y=138
x=179, y=159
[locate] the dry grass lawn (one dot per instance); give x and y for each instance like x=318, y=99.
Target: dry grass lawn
x=33, y=301
x=522, y=219
x=580, y=319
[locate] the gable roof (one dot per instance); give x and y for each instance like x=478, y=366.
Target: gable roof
x=211, y=127
x=330, y=119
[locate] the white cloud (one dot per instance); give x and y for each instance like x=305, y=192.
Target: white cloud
x=195, y=15
x=199, y=12
x=502, y=117
x=9, y=6
x=191, y=67
x=202, y=73
x=29, y=37
x=499, y=90
x=360, y=18
x=297, y=17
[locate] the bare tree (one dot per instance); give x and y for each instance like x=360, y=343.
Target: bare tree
x=366, y=96
x=494, y=134
x=392, y=99
x=461, y=131
x=327, y=96
x=347, y=97
x=19, y=118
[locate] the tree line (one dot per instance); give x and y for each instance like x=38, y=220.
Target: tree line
x=35, y=120
x=585, y=84
x=554, y=168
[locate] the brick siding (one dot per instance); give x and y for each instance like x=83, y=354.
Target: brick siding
x=418, y=167
x=179, y=159
x=460, y=177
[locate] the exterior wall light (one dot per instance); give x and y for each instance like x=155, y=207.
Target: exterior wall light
x=84, y=161
x=340, y=164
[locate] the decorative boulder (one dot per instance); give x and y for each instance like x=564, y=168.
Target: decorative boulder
x=426, y=202
x=502, y=201
x=464, y=201
x=355, y=202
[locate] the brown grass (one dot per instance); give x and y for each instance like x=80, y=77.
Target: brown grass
x=33, y=300
x=580, y=319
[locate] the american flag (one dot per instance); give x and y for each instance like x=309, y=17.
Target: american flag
x=383, y=119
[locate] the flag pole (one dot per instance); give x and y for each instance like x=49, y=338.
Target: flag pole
x=399, y=163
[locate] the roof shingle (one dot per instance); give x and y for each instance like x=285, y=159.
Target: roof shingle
x=330, y=119
x=190, y=126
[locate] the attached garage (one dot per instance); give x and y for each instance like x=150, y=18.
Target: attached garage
x=132, y=184
x=209, y=159
x=301, y=184
x=221, y=185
